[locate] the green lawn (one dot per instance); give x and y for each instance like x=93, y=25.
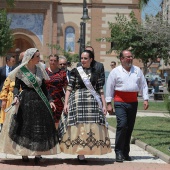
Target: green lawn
x=155, y=131
x=154, y=105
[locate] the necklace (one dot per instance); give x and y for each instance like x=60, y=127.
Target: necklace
x=88, y=72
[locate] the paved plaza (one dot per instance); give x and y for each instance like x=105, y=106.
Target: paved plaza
x=141, y=160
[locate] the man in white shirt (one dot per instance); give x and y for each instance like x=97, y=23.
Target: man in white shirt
x=123, y=84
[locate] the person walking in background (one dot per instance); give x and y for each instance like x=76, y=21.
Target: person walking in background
x=113, y=64
x=97, y=65
x=123, y=84
x=85, y=108
x=6, y=94
x=63, y=63
x=55, y=86
x=4, y=71
x=156, y=85
x=29, y=128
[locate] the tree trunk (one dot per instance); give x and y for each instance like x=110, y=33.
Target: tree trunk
x=145, y=68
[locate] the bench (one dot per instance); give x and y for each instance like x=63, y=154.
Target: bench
x=159, y=95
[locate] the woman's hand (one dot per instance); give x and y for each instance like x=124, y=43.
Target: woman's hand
x=16, y=100
x=109, y=108
x=52, y=105
x=3, y=105
x=104, y=110
x=66, y=108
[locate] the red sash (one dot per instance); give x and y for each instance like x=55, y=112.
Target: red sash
x=126, y=97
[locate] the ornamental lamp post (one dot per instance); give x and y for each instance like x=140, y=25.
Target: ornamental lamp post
x=85, y=18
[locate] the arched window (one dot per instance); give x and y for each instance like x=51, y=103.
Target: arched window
x=69, y=39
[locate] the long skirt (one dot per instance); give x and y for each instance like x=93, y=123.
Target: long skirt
x=86, y=139
x=83, y=131
x=31, y=131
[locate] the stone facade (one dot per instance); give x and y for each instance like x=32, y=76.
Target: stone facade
x=41, y=22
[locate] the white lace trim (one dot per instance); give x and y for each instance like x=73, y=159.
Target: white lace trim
x=38, y=76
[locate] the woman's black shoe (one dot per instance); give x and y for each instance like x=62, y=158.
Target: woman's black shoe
x=25, y=159
x=37, y=159
x=82, y=161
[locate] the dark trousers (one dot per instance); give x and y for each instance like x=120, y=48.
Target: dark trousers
x=125, y=115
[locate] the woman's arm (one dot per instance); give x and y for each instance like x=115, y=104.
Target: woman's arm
x=16, y=90
x=65, y=82
x=103, y=102
x=67, y=95
x=45, y=91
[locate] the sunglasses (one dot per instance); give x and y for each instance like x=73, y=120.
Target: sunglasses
x=63, y=64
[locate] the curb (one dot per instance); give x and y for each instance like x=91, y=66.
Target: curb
x=152, y=111
x=147, y=148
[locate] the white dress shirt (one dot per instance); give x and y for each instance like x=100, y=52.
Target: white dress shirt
x=121, y=80
x=8, y=70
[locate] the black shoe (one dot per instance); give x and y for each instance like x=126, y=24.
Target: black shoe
x=119, y=157
x=38, y=159
x=127, y=158
x=25, y=159
x=82, y=161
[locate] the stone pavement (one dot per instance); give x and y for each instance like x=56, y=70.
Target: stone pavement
x=141, y=160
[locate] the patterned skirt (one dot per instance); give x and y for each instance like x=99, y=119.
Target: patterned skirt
x=83, y=131
x=31, y=131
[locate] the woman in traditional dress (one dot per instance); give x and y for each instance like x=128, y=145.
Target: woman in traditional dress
x=6, y=96
x=56, y=86
x=29, y=128
x=82, y=129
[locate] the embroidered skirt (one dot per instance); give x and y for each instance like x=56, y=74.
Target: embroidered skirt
x=83, y=131
x=86, y=139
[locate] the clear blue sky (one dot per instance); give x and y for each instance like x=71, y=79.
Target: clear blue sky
x=152, y=8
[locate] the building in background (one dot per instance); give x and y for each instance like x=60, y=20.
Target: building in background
x=166, y=10
x=36, y=23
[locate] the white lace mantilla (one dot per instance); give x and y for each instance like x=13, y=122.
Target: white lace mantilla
x=38, y=76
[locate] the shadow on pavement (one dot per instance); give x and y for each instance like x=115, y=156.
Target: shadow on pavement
x=54, y=161
x=144, y=157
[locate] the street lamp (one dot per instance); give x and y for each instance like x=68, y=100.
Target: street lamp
x=82, y=39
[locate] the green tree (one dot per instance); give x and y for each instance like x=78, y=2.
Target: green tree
x=10, y=3
x=147, y=41
x=143, y=3
x=6, y=40
x=70, y=57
